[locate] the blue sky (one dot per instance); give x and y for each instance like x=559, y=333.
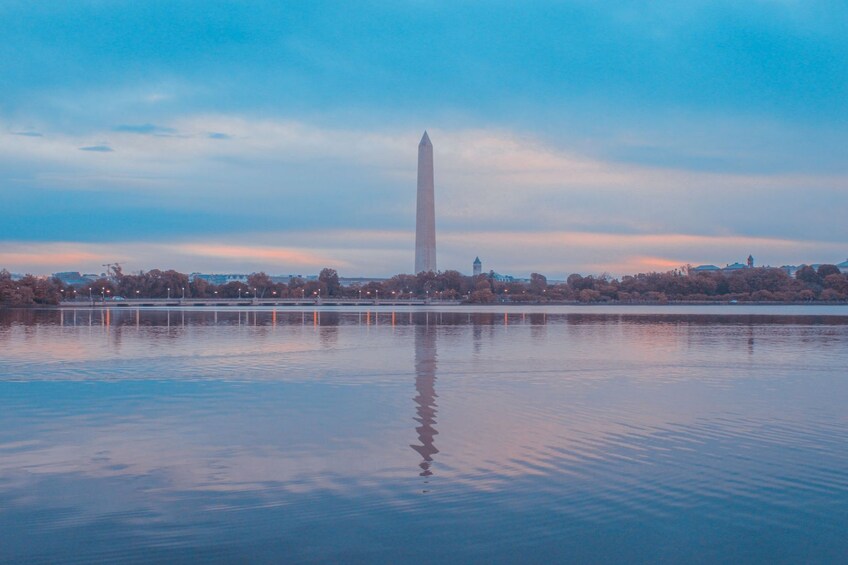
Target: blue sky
x=569, y=137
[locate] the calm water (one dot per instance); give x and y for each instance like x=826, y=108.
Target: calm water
x=589, y=435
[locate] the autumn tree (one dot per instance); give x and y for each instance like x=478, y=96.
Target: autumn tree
x=538, y=283
x=315, y=289
x=260, y=283
x=233, y=289
x=808, y=275
x=330, y=279
x=825, y=270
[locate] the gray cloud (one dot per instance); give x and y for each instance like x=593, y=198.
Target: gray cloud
x=97, y=148
x=145, y=129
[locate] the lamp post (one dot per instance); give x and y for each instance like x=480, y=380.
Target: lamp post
x=183, y=293
x=169, y=293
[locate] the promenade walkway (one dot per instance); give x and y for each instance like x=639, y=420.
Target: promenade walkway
x=230, y=302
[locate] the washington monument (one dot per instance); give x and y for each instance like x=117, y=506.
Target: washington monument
x=425, y=219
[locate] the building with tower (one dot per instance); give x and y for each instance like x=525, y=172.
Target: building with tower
x=477, y=267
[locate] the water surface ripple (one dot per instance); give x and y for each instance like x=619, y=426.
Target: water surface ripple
x=421, y=436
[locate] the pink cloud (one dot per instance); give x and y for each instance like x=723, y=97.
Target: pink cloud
x=258, y=254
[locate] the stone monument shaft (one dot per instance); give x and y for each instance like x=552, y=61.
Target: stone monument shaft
x=425, y=219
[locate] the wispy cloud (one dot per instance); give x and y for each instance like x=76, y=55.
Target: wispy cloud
x=257, y=254
x=27, y=133
x=522, y=201
x=374, y=252
x=97, y=148
x=145, y=129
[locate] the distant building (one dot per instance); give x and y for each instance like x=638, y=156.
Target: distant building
x=705, y=269
x=734, y=267
x=477, y=267
x=222, y=279
x=749, y=264
x=843, y=267
x=360, y=281
x=790, y=269
x=506, y=278
x=501, y=278
x=74, y=278
x=219, y=280
x=287, y=279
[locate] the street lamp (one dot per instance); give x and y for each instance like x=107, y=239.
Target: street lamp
x=183, y=293
x=239, y=293
x=169, y=293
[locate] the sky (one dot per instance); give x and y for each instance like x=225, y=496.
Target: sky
x=614, y=137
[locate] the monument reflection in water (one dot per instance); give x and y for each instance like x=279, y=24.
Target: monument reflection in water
x=588, y=435
x=425, y=399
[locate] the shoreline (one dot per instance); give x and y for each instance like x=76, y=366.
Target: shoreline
x=417, y=304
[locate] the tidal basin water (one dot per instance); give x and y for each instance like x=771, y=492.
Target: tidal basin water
x=584, y=435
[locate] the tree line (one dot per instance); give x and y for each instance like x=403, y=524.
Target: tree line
x=762, y=284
